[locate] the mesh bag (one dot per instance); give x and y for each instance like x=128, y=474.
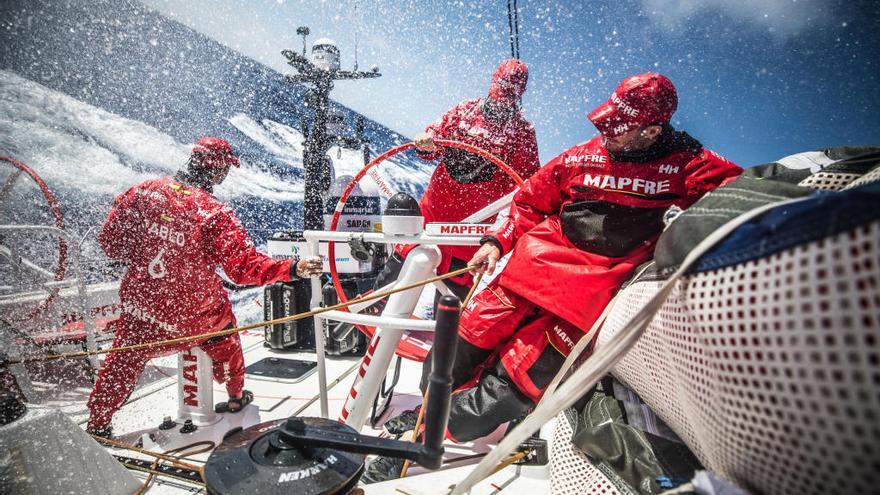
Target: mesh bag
x=768, y=369
x=571, y=471
x=764, y=360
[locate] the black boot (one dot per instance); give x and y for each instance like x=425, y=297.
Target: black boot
x=402, y=423
x=382, y=469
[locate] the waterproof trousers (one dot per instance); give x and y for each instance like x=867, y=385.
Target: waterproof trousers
x=517, y=347
x=120, y=371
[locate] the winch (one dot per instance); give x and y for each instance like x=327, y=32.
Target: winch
x=320, y=456
x=260, y=459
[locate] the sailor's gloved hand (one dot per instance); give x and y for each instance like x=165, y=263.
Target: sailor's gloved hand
x=425, y=143
x=309, y=267
x=485, y=258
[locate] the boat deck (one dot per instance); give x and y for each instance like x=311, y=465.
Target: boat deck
x=156, y=398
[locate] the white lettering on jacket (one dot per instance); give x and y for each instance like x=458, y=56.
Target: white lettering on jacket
x=586, y=160
x=144, y=315
x=563, y=337
x=165, y=233
x=612, y=183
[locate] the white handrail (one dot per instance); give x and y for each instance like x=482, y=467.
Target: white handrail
x=76, y=269
x=376, y=321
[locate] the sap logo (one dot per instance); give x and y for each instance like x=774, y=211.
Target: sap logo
x=668, y=169
x=623, y=106
x=586, y=160
x=358, y=224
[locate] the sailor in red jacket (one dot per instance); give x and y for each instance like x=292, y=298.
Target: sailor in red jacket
x=580, y=227
x=173, y=234
x=464, y=183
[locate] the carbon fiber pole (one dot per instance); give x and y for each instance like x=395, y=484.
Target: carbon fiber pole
x=440, y=381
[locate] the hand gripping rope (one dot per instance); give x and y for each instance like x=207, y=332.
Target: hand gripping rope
x=407, y=348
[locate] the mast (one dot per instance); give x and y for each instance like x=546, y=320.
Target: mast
x=318, y=75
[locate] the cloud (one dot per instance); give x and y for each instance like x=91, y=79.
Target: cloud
x=779, y=16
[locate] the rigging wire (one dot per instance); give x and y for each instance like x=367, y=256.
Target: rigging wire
x=513, y=27
x=357, y=28
x=516, y=26
x=510, y=28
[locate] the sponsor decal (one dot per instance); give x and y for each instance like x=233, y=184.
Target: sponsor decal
x=456, y=229
x=563, y=337
x=191, y=382
x=622, y=128
x=626, y=184
x=106, y=310
x=586, y=160
x=508, y=231
x=154, y=195
x=144, y=315
x=668, y=169
x=165, y=232
x=309, y=471
x=623, y=106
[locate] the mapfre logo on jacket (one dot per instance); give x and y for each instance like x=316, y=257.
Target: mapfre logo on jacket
x=593, y=174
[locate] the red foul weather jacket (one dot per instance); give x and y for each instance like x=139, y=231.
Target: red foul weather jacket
x=463, y=183
x=585, y=221
x=173, y=237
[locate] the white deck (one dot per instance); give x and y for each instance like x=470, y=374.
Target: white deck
x=156, y=397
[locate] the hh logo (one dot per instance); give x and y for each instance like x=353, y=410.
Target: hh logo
x=668, y=169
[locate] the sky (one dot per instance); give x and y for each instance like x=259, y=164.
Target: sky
x=757, y=79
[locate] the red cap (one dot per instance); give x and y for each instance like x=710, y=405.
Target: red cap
x=214, y=152
x=509, y=81
x=639, y=100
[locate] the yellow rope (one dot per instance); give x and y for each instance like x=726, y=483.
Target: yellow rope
x=229, y=331
x=510, y=460
x=173, y=460
x=415, y=435
x=470, y=293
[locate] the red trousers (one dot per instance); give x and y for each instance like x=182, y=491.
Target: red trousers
x=531, y=344
x=120, y=372
x=498, y=319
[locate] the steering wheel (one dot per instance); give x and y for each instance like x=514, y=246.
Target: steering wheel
x=61, y=269
x=409, y=347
